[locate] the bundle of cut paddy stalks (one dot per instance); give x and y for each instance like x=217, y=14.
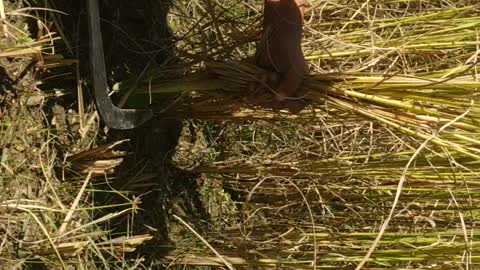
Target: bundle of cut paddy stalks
x=443, y=110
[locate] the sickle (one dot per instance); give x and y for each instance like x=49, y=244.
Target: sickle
x=113, y=116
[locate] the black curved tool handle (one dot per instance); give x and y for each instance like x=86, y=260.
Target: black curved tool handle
x=113, y=116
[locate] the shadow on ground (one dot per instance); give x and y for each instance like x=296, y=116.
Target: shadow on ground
x=136, y=33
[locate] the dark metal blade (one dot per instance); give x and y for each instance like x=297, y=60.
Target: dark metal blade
x=113, y=116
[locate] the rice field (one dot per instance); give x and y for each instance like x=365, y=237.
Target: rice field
x=380, y=171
